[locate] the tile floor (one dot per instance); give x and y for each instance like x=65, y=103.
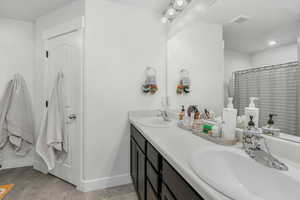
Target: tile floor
x=33, y=185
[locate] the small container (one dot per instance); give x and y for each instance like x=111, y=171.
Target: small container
x=182, y=113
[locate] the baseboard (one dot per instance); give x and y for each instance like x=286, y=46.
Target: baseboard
x=103, y=183
x=16, y=163
x=39, y=166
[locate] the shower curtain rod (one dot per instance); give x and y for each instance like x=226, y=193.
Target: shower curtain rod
x=270, y=67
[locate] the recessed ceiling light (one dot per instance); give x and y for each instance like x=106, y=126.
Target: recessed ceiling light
x=272, y=43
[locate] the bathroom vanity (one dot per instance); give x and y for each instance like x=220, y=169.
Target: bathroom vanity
x=170, y=163
x=153, y=177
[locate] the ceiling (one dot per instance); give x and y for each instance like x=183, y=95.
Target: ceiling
x=157, y=6
x=269, y=20
x=28, y=10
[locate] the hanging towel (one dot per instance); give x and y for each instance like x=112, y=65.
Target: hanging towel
x=16, y=117
x=52, y=142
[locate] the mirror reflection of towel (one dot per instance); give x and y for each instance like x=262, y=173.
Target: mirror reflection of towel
x=16, y=117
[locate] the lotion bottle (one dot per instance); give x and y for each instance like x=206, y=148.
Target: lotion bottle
x=252, y=111
x=229, y=119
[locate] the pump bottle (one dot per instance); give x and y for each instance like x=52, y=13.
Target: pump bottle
x=229, y=118
x=252, y=111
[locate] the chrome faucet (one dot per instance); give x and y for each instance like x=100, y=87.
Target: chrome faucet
x=253, y=143
x=164, y=114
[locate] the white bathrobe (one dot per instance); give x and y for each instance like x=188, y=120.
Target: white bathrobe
x=52, y=142
x=16, y=117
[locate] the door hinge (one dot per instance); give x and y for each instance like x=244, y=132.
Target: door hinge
x=47, y=103
x=47, y=54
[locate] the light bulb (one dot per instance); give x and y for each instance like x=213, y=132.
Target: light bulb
x=180, y=4
x=164, y=20
x=171, y=12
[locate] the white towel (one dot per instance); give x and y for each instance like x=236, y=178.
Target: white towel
x=16, y=117
x=52, y=142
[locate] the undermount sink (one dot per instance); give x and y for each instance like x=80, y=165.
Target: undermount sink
x=230, y=171
x=156, y=122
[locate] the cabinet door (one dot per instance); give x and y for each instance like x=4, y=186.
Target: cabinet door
x=133, y=162
x=166, y=195
x=150, y=192
x=141, y=174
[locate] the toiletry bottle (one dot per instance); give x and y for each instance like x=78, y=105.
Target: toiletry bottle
x=182, y=113
x=270, y=129
x=229, y=119
x=197, y=114
x=252, y=111
x=271, y=121
x=251, y=123
x=207, y=114
x=191, y=113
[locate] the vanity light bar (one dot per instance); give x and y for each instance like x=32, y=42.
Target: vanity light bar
x=175, y=8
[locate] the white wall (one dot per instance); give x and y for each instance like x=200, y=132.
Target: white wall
x=198, y=47
x=121, y=41
x=273, y=56
x=234, y=61
x=43, y=23
x=16, y=56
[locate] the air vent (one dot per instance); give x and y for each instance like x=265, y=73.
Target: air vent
x=240, y=19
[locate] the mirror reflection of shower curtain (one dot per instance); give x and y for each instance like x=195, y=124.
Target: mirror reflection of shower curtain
x=277, y=88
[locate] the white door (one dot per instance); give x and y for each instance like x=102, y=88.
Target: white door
x=64, y=54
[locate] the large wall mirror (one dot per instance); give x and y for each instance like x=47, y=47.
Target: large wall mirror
x=239, y=50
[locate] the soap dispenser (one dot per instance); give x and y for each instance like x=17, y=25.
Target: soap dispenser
x=229, y=120
x=271, y=121
x=270, y=129
x=251, y=110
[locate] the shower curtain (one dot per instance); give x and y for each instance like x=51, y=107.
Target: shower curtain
x=277, y=89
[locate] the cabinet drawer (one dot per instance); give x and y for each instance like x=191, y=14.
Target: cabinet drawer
x=179, y=187
x=141, y=174
x=153, y=177
x=153, y=156
x=151, y=195
x=166, y=194
x=140, y=140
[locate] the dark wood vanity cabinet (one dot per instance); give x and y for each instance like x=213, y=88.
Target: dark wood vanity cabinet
x=152, y=176
x=138, y=162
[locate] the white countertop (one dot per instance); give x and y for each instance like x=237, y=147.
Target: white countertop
x=177, y=146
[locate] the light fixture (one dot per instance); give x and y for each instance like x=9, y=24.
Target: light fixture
x=174, y=9
x=272, y=43
x=179, y=4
